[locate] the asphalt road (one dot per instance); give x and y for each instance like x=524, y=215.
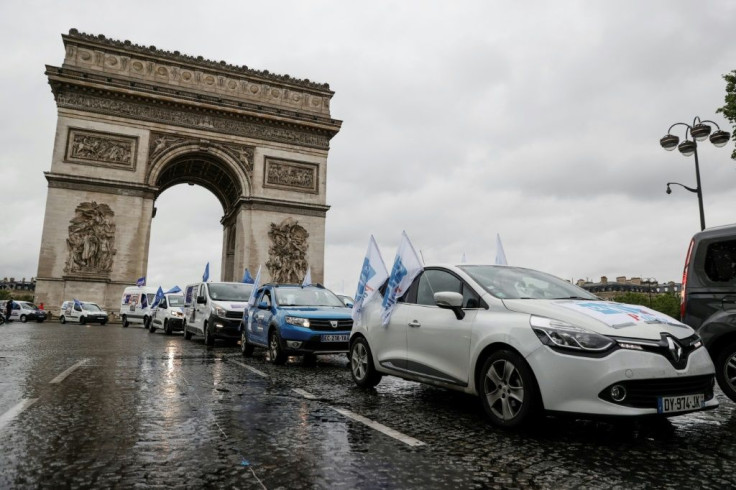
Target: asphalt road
x=103, y=406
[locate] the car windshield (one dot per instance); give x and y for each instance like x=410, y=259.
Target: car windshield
x=91, y=307
x=230, y=291
x=176, y=300
x=28, y=306
x=518, y=283
x=307, y=296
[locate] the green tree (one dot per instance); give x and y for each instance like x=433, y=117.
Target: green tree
x=729, y=108
x=668, y=303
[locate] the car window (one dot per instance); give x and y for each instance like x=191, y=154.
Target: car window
x=230, y=291
x=720, y=262
x=265, y=298
x=177, y=300
x=433, y=281
x=307, y=296
x=518, y=283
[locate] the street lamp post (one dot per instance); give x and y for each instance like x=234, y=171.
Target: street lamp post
x=699, y=130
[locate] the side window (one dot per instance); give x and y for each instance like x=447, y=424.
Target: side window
x=77, y=308
x=720, y=262
x=433, y=281
x=266, y=298
x=163, y=303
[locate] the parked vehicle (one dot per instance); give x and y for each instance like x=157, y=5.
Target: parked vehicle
x=135, y=305
x=708, y=298
x=527, y=342
x=82, y=312
x=215, y=310
x=24, y=311
x=2, y=317
x=347, y=300
x=296, y=320
x=168, y=314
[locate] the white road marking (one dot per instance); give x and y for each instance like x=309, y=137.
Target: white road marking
x=66, y=373
x=303, y=393
x=380, y=427
x=8, y=416
x=252, y=369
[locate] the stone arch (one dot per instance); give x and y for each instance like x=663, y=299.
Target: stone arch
x=134, y=121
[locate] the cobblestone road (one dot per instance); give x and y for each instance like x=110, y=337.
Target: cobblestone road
x=103, y=406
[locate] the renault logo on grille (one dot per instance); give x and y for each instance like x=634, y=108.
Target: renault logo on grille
x=333, y=323
x=674, y=348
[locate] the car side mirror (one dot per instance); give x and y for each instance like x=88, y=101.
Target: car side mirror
x=263, y=305
x=450, y=301
x=201, y=300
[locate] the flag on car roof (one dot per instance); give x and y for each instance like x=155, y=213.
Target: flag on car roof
x=500, y=255
x=206, y=274
x=247, y=278
x=407, y=265
x=307, y=277
x=256, y=283
x=175, y=289
x=159, y=297
x=141, y=281
x=76, y=303
x=372, y=276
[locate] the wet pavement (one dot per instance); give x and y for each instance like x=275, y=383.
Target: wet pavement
x=103, y=406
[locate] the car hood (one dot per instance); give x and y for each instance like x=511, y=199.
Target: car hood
x=604, y=317
x=323, y=312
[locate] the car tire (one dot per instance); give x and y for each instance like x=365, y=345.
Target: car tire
x=62, y=320
x=167, y=327
x=507, y=389
x=147, y=323
x=187, y=333
x=726, y=370
x=39, y=321
x=275, y=351
x=151, y=328
x=126, y=324
x=246, y=348
x=309, y=360
x=103, y=322
x=209, y=339
x=361, y=364
x=82, y=320
x=23, y=319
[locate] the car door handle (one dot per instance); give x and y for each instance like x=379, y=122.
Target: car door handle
x=415, y=324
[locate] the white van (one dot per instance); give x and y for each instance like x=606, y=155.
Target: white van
x=168, y=314
x=134, y=307
x=83, y=312
x=215, y=310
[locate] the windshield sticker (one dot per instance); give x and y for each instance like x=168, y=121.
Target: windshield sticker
x=618, y=315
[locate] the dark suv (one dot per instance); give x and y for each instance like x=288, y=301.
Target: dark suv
x=709, y=298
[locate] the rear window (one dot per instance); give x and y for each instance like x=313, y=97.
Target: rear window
x=720, y=262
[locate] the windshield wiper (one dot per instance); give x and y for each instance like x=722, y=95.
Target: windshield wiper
x=576, y=297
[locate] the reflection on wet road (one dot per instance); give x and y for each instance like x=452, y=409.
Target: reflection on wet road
x=102, y=406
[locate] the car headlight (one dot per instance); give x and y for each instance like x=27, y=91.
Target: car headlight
x=299, y=322
x=558, y=334
x=219, y=311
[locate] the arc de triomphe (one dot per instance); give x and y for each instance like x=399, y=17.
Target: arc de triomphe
x=134, y=121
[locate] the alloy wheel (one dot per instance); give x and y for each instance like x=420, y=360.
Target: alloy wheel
x=504, y=389
x=359, y=361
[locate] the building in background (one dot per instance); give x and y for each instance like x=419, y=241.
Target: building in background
x=20, y=286
x=608, y=290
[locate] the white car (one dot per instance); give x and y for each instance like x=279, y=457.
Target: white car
x=527, y=342
x=168, y=314
x=82, y=312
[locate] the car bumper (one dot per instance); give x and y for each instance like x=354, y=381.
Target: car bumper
x=305, y=341
x=225, y=328
x=576, y=384
x=176, y=324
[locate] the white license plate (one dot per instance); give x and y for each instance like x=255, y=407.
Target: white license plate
x=684, y=403
x=335, y=338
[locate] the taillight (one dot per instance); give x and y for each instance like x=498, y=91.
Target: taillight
x=683, y=295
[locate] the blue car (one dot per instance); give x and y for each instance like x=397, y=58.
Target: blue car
x=290, y=320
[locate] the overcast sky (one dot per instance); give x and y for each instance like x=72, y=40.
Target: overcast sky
x=538, y=121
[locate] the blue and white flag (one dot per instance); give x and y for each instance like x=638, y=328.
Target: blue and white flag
x=206, y=274
x=372, y=275
x=307, y=277
x=256, y=285
x=407, y=265
x=247, y=278
x=77, y=303
x=159, y=297
x=141, y=281
x=500, y=255
x=175, y=289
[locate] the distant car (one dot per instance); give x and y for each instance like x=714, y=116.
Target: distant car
x=24, y=311
x=347, y=300
x=708, y=298
x=82, y=312
x=289, y=320
x=168, y=315
x=527, y=342
x=215, y=310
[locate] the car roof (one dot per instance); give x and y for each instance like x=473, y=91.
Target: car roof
x=716, y=232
